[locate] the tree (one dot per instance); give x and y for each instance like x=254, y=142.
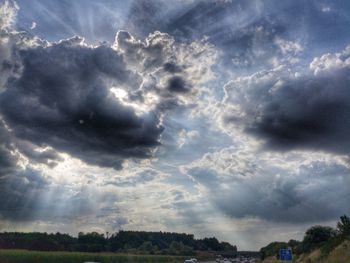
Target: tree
x=131, y=241
x=147, y=247
x=225, y=246
x=316, y=236
x=272, y=249
x=343, y=226
x=176, y=247
x=212, y=243
x=92, y=242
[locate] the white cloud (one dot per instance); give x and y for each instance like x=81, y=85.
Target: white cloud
x=330, y=62
x=326, y=9
x=33, y=26
x=288, y=46
x=185, y=137
x=8, y=13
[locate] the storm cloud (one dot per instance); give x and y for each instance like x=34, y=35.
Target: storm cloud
x=306, y=189
x=104, y=101
x=27, y=193
x=296, y=110
x=71, y=108
x=20, y=187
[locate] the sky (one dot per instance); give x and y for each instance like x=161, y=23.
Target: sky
x=217, y=118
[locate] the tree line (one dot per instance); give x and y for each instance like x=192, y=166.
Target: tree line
x=324, y=238
x=138, y=242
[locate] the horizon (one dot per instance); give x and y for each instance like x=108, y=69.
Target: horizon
x=221, y=118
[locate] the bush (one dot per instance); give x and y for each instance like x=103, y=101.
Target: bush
x=343, y=226
x=315, y=237
x=331, y=244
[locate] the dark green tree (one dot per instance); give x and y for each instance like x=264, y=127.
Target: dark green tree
x=316, y=236
x=343, y=226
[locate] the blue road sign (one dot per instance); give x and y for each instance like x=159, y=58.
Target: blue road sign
x=286, y=254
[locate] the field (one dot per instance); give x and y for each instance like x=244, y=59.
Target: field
x=24, y=256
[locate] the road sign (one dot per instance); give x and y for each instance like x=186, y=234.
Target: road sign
x=286, y=254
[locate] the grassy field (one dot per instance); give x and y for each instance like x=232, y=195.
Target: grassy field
x=24, y=256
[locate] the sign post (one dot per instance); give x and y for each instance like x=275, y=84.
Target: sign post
x=286, y=254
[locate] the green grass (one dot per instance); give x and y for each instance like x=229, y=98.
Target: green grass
x=24, y=256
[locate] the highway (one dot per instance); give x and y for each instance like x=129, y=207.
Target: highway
x=228, y=261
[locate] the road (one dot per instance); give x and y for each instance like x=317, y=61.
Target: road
x=215, y=262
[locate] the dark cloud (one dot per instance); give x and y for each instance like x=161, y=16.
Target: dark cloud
x=62, y=100
x=88, y=101
x=46, y=156
x=63, y=96
x=287, y=111
x=317, y=193
x=8, y=160
x=21, y=192
x=27, y=195
x=177, y=84
x=171, y=67
x=20, y=188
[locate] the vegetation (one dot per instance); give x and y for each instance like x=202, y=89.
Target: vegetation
x=135, y=242
x=273, y=248
x=343, y=226
x=23, y=256
x=322, y=238
x=316, y=237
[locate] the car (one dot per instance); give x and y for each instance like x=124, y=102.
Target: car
x=194, y=260
x=188, y=261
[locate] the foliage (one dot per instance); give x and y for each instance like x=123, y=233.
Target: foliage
x=164, y=241
x=343, y=226
x=331, y=244
x=316, y=237
x=90, y=242
x=136, y=242
x=36, y=241
x=273, y=248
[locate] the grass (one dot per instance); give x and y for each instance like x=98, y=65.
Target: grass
x=340, y=253
x=25, y=256
x=336, y=254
